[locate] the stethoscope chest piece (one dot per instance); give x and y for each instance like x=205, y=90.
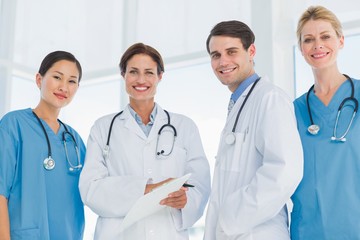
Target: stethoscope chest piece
x=230, y=138
x=313, y=129
x=49, y=163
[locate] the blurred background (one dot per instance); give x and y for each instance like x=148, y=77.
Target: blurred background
x=98, y=32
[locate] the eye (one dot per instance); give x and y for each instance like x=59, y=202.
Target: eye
x=57, y=77
x=149, y=73
x=215, y=55
x=133, y=72
x=231, y=52
x=73, y=81
x=324, y=37
x=308, y=40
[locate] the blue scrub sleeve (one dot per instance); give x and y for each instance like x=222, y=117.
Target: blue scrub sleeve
x=8, y=148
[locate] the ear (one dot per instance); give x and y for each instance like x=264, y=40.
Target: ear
x=38, y=80
x=342, y=41
x=160, y=76
x=252, y=51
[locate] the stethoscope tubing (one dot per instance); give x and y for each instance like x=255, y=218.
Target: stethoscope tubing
x=66, y=131
x=351, y=98
x=230, y=137
x=47, y=137
x=107, y=146
x=243, y=104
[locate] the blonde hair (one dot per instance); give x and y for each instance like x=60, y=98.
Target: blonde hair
x=318, y=13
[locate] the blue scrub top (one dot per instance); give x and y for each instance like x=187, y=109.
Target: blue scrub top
x=327, y=201
x=42, y=204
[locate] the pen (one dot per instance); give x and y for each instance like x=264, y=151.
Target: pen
x=188, y=185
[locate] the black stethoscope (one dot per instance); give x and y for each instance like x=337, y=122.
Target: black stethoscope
x=230, y=138
x=161, y=152
x=49, y=162
x=314, y=128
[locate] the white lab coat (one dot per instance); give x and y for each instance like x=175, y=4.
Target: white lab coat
x=111, y=186
x=255, y=177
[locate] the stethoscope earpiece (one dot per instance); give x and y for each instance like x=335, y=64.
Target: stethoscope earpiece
x=161, y=152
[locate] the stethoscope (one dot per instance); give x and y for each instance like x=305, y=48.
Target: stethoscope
x=49, y=162
x=314, y=128
x=161, y=152
x=230, y=138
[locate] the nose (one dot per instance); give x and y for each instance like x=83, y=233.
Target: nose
x=63, y=86
x=141, y=78
x=318, y=45
x=223, y=61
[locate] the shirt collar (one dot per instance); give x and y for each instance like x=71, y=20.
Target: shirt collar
x=138, y=118
x=242, y=87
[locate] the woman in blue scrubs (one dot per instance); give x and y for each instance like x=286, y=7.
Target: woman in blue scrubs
x=326, y=203
x=41, y=159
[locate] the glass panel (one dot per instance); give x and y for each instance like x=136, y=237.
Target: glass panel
x=24, y=93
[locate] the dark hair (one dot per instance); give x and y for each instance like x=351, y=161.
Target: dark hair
x=55, y=57
x=235, y=29
x=140, y=48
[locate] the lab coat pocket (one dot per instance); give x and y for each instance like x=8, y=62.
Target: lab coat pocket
x=231, y=153
x=25, y=234
x=174, y=164
x=220, y=235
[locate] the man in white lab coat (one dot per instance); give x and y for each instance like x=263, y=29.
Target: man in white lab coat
x=260, y=159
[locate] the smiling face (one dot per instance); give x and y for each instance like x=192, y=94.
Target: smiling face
x=231, y=63
x=59, y=84
x=320, y=44
x=141, y=79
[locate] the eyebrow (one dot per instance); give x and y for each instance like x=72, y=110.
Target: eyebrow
x=63, y=74
x=227, y=49
x=213, y=52
x=309, y=34
x=146, y=69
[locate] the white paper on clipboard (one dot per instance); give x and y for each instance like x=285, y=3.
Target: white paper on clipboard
x=150, y=203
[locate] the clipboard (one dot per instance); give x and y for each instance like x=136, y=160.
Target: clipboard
x=150, y=203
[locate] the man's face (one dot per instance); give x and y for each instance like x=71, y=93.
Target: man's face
x=231, y=63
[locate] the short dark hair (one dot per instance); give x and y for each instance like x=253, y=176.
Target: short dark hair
x=55, y=57
x=235, y=29
x=140, y=48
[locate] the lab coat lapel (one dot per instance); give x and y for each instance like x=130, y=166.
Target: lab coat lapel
x=160, y=120
x=132, y=125
x=232, y=116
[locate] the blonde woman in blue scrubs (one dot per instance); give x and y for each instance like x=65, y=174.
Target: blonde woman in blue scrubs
x=326, y=203
x=39, y=173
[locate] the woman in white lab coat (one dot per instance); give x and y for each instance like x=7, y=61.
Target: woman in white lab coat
x=139, y=159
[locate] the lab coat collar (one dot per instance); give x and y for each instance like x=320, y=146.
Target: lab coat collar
x=160, y=120
x=132, y=125
x=232, y=115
